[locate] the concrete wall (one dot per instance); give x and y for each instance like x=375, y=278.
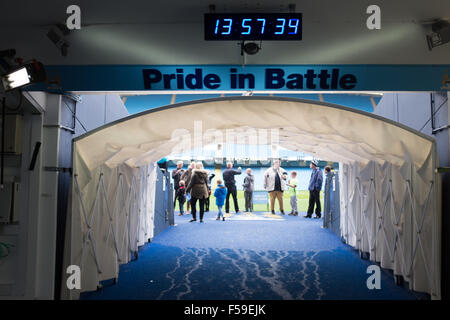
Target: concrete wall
x=158, y=32
x=13, y=267
x=415, y=110
x=94, y=111
x=33, y=268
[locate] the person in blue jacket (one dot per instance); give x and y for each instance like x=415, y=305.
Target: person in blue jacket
x=315, y=185
x=163, y=163
x=220, y=193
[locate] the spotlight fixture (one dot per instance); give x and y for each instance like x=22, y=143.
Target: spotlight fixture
x=57, y=35
x=440, y=35
x=24, y=75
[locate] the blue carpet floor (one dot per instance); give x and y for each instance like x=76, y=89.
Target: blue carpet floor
x=281, y=258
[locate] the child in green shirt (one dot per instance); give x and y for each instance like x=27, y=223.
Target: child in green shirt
x=292, y=184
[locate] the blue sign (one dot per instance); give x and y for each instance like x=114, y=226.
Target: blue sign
x=260, y=197
x=252, y=77
x=274, y=78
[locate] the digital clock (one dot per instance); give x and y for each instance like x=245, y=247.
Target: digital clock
x=253, y=26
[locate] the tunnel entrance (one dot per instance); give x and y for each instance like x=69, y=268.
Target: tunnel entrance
x=388, y=200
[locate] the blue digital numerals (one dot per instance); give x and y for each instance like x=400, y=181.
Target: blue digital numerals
x=226, y=27
x=292, y=25
x=263, y=24
x=280, y=26
x=247, y=28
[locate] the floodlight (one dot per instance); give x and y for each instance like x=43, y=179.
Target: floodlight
x=24, y=75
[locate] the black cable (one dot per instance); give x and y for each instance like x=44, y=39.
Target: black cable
x=432, y=111
x=435, y=112
x=76, y=118
x=37, y=146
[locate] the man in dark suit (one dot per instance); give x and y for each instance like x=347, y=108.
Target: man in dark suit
x=315, y=185
x=230, y=183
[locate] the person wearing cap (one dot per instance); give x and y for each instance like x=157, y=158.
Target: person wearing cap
x=315, y=185
x=163, y=163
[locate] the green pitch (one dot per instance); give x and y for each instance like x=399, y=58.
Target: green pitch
x=302, y=202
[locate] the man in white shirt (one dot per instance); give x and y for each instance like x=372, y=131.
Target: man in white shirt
x=275, y=184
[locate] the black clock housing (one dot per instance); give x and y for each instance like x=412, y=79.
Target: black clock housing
x=253, y=26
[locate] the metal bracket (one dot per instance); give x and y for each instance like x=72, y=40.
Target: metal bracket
x=58, y=169
x=59, y=127
x=443, y=170
x=73, y=96
x=291, y=8
x=441, y=129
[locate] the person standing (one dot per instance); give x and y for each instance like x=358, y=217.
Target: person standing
x=198, y=187
x=315, y=185
x=249, y=183
x=163, y=164
x=230, y=183
x=292, y=184
x=210, y=177
x=220, y=193
x=176, y=176
x=186, y=177
x=275, y=184
x=181, y=196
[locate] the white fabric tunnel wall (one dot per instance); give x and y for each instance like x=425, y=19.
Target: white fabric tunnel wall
x=390, y=212
x=389, y=189
x=115, y=213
